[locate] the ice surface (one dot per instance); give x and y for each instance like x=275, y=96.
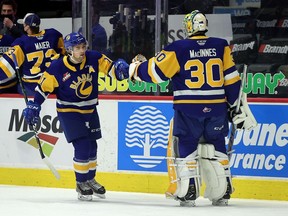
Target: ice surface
x=40, y=201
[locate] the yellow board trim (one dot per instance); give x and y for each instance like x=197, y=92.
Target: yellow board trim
x=265, y=189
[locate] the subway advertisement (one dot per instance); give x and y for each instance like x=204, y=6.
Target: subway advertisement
x=270, y=84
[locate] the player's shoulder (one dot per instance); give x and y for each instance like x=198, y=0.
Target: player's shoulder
x=21, y=40
x=93, y=54
x=6, y=39
x=52, y=31
x=57, y=63
x=176, y=45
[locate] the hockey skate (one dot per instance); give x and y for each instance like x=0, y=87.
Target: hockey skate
x=98, y=189
x=224, y=200
x=84, y=191
x=189, y=199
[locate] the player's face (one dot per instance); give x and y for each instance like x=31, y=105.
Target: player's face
x=79, y=52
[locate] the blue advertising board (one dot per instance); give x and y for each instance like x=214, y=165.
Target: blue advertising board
x=263, y=151
x=143, y=129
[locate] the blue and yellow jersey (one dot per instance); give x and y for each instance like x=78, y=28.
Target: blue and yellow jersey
x=5, y=44
x=202, y=71
x=34, y=54
x=75, y=85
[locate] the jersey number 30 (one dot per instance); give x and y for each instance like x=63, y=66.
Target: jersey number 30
x=210, y=67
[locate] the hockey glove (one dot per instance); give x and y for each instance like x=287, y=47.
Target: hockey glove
x=237, y=119
x=31, y=113
x=132, y=69
x=244, y=119
x=121, y=69
x=139, y=58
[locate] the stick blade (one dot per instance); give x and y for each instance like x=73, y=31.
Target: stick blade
x=52, y=168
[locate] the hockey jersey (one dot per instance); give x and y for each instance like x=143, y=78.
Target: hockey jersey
x=75, y=85
x=202, y=71
x=34, y=54
x=5, y=43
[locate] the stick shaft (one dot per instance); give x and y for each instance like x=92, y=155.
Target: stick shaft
x=51, y=167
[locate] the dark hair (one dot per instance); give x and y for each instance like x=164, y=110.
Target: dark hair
x=34, y=29
x=9, y=2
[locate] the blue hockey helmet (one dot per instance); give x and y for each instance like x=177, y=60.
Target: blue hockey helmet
x=73, y=39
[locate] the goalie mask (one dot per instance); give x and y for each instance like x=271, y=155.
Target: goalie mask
x=195, y=23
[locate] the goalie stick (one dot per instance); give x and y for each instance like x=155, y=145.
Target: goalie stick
x=46, y=161
x=233, y=129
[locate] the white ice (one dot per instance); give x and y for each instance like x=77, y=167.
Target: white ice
x=40, y=201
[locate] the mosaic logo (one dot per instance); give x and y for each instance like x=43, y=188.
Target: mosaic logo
x=147, y=128
x=47, y=141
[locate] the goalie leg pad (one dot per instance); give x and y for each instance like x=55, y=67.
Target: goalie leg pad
x=214, y=170
x=180, y=170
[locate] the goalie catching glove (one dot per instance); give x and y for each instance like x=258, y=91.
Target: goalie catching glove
x=135, y=63
x=243, y=119
x=31, y=113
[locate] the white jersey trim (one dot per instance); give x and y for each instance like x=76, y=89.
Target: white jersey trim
x=199, y=92
x=79, y=104
x=231, y=75
x=154, y=73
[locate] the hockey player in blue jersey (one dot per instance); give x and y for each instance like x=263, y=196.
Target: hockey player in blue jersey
x=205, y=85
x=74, y=79
x=5, y=44
x=34, y=53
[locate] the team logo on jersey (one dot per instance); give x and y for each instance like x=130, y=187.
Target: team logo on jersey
x=206, y=110
x=83, y=87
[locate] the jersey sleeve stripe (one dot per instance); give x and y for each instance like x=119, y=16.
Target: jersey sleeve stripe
x=152, y=72
x=7, y=68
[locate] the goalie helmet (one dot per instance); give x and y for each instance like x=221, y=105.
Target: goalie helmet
x=194, y=23
x=73, y=39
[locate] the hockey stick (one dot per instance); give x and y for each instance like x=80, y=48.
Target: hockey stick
x=46, y=161
x=233, y=129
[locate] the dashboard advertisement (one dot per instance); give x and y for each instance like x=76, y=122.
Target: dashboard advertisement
x=135, y=137
x=143, y=138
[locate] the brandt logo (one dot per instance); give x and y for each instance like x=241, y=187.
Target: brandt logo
x=147, y=128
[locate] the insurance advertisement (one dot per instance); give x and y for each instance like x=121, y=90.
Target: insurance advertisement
x=143, y=137
x=135, y=137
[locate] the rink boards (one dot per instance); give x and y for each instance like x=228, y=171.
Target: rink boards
x=132, y=151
